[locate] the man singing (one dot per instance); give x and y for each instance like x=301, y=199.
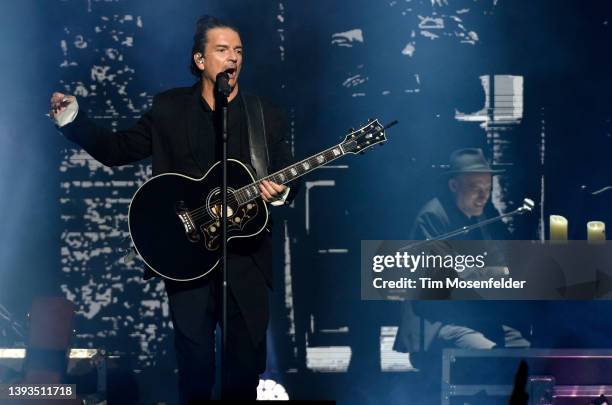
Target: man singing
x=180, y=133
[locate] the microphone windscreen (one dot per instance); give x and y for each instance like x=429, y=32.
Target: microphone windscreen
x=222, y=84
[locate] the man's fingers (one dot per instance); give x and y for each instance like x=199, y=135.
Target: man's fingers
x=274, y=188
x=268, y=188
x=279, y=188
x=265, y=193
x=59, y=102
x=64, y=102
x=57, y=97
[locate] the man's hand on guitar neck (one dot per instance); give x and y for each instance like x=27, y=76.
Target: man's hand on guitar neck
x=272, y=192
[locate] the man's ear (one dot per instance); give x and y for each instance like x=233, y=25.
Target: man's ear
x=198, y=58
x=452, y=185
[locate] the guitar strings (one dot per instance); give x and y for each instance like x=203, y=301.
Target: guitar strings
x=202, y=211
x=198, y=210
x=196, y=213
x=327, y=159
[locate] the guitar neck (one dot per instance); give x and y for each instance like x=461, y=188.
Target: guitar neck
x=251, y=192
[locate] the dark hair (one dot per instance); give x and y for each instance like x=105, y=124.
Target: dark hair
x=204, y=24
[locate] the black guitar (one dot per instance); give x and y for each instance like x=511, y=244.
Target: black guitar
x=174, y=219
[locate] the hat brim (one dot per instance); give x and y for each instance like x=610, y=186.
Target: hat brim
x=490, y=171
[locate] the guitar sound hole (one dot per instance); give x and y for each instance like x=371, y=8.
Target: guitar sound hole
x=217, y=210
x=214, y=206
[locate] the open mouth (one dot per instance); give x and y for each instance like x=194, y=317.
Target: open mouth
x=231, y=72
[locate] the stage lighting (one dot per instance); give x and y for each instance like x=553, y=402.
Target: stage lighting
x=270, y=390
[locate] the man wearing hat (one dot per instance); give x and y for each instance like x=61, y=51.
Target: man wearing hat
x=469, y=186
x=429, y=326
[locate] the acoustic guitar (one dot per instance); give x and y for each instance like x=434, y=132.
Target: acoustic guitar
x=174, y=220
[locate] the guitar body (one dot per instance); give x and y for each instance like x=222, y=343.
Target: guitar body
x=175, y=225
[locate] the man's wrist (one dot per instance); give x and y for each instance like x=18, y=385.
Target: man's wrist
x=281, y=199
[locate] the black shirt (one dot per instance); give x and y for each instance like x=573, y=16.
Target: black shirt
x=238, y=139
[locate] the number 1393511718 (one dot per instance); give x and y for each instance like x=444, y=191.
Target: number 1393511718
x=37, y=391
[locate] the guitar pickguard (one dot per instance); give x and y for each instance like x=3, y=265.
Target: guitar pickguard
x=236, y=223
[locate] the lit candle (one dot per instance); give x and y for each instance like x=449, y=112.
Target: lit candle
x=558, y=227
x=596, y=230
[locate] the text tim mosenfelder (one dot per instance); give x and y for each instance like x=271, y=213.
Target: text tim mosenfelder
x=458, y=263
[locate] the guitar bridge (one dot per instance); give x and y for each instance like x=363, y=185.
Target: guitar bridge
x=190, y=228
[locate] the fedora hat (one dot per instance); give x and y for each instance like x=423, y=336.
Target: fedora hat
x=469, y=160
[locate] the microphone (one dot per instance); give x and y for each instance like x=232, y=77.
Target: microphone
x=222, y=86
x=527, y=206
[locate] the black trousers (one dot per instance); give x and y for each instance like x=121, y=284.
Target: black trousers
x=196, y=310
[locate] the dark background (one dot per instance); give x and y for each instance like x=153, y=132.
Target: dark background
x=326, y=84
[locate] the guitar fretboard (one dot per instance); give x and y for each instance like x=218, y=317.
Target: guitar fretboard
x=251, y=191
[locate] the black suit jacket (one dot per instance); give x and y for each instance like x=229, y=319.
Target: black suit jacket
x=173, y=134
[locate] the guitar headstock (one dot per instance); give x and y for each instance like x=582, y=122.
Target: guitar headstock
x=365, y=137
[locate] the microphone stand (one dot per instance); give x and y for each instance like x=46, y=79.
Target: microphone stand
x=527, y=206
x=223, y=91
x=11, y=325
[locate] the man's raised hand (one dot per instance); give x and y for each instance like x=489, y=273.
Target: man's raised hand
x=59, y=103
